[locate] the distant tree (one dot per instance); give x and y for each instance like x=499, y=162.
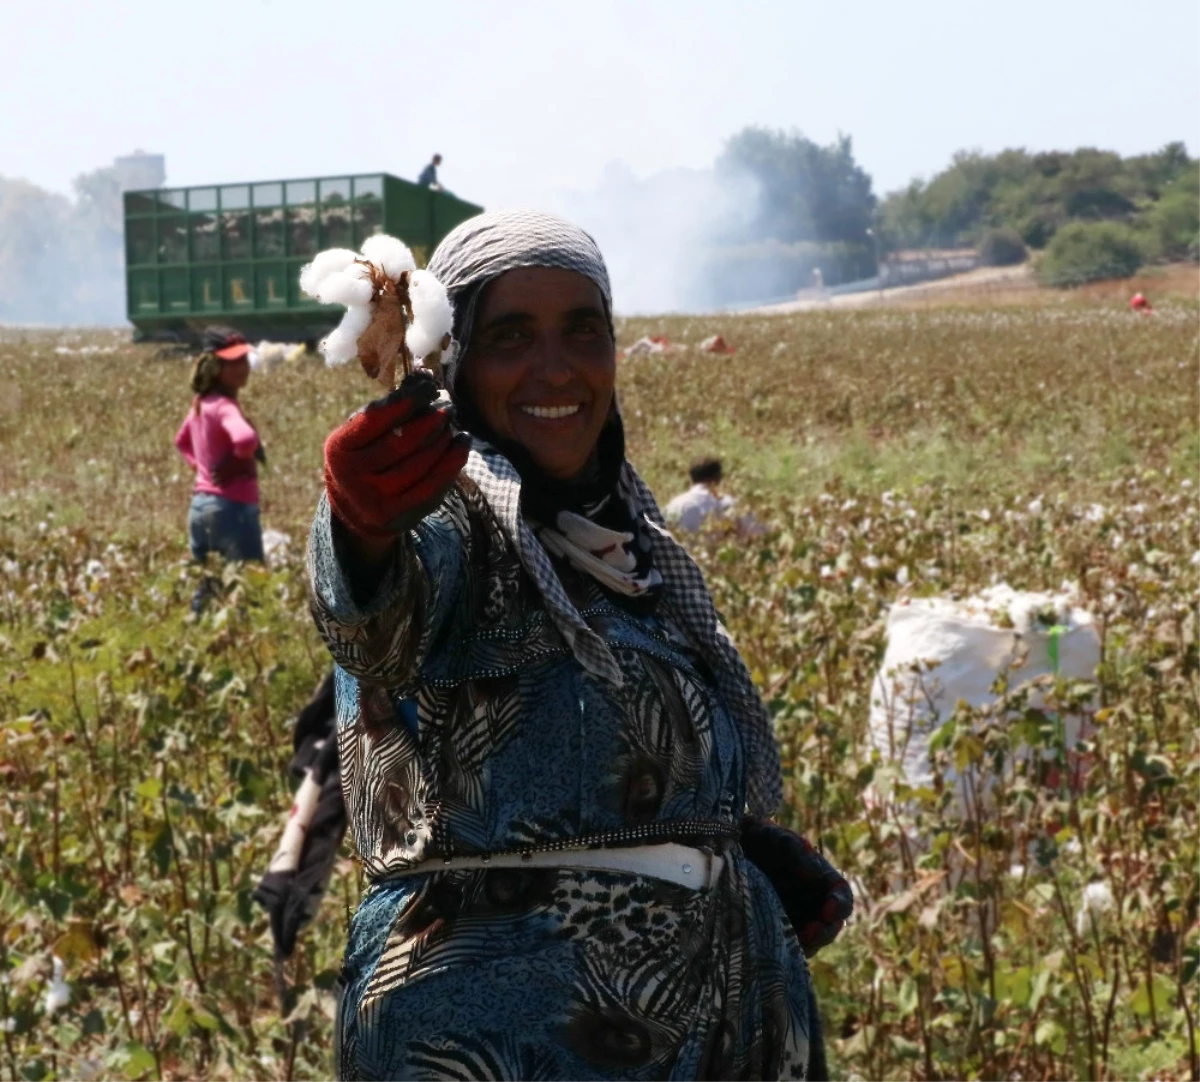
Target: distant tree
x=1159, y=171
x=34, y=276
x=1172, y=225
x=62, y=261
x=95, y=240
x=904, y=220
x=1002, y=247
x=806, y=192
x=1174, y=222
x=1095, y=185
x=1090, y=251
x=1033, y=194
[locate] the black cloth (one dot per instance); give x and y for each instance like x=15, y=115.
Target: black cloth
x=292, y=899
x=815, y=895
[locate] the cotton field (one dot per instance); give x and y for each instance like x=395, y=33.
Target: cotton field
x=1044, y=925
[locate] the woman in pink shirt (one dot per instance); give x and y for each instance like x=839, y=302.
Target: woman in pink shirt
x=222, y=446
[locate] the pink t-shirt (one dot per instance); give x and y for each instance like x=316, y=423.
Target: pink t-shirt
x=220, y=434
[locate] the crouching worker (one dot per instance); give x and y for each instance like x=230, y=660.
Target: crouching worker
x=547, y=740
x=222, y=446
x=703, y=503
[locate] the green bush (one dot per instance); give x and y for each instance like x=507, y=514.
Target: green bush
x=1173, y=223
x=1089, y=251
x=1002, y=248
x=1193, y=252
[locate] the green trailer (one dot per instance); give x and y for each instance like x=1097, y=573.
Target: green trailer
x=232, y=253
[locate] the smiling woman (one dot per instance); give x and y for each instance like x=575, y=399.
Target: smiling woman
x=548, y=741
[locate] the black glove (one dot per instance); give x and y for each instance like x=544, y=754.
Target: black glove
x=815, y=896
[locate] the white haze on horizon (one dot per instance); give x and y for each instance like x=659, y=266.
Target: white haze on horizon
x=654, y=231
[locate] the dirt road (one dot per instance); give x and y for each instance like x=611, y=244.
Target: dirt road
x=982, y=281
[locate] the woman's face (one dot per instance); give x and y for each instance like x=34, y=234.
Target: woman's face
x=234, y=375
x=541, y=363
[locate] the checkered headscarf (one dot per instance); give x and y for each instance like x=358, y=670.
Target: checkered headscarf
x=475, y=253
x=486, y=246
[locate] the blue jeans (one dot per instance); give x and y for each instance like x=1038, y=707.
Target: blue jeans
x=229, y=529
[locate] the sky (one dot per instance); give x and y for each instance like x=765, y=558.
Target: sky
x=528, y=99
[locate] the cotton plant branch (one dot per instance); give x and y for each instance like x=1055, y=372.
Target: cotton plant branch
x=398, y=318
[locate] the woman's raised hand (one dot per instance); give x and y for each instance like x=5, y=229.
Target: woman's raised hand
x=393, y=462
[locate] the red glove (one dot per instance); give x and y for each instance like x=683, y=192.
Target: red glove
x=815, y=896
x=393, y=462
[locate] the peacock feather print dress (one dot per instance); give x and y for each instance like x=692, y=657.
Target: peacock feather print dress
x=467, y=724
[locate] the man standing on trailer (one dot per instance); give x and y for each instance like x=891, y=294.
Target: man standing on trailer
x=428, y=177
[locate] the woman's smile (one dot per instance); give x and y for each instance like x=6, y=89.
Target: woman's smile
x=552, y=413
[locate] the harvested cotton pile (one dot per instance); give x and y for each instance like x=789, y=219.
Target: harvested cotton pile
x=268, y=355
x=943, y=651
x=714, y=343
x=397, y=317
x=655, y=343
x=275, y=544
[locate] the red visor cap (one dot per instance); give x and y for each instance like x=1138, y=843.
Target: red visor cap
x=235, y=351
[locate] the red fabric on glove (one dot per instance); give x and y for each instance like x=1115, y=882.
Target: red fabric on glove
x=392, y=463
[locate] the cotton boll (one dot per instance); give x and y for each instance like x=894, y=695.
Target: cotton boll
x=333, y=261
x=1096, y=905
x=58, y=995
x=341, y=344
x=432, y=315
x=390, y=254
x=449, y=356
x=338, y=348
x=349, y=287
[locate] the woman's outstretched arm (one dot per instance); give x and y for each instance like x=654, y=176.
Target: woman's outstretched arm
x=383, y=568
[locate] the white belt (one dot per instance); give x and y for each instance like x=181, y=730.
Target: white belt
x=684, y=865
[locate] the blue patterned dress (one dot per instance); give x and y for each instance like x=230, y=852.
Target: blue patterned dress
x=467, y=725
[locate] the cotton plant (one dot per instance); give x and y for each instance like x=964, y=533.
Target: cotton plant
x=398, y=318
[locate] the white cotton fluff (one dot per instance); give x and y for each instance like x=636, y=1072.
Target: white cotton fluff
x=390, y=254
x=351, y=287
x=1096, y=905
x=275, y=543
x=58, y=995
x=341, y=344
x=334, y=277
x=432, y=315
x=333, y=261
